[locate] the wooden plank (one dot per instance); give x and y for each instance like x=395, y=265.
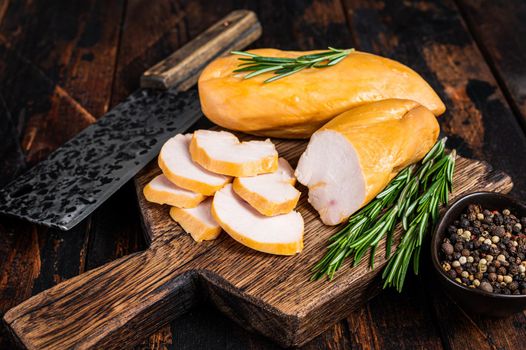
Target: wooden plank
x=115, y=229
x=456, y=327
x=507, y=333
x=58, y=41
x=415, y=326
x=336, y=337
x=12, y=160
x=363, y=334
x=143, y=44
x=204, y=327
x=498, y=28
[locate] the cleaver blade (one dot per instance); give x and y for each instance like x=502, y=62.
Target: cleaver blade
x=76, y=178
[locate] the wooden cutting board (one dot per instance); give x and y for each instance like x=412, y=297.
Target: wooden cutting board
x=124, y=301
x=273, y=294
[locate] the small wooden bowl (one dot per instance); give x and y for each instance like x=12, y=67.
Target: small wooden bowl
x=471, y=299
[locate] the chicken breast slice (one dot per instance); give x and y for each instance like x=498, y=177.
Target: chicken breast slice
x=281, y=234
x=222, y=153
x=177, y=165
x=354, y=156
x=198, y=221
x=161, y=191
x=270, y=194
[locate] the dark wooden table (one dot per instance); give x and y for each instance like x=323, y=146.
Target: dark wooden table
x=64, y=63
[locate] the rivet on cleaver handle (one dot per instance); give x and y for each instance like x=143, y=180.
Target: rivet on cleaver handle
x=80, y=175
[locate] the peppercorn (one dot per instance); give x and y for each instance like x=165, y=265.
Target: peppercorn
x=485, y=286
x=513, y=286
x=492, y=276
x=447, y=248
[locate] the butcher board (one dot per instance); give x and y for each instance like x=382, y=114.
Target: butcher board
x=125, y=300
x=273, y=294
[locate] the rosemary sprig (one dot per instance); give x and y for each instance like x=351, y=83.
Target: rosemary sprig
x=412, y=198
x=283, y=66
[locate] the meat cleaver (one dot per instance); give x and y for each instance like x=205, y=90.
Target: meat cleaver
x=79, y=176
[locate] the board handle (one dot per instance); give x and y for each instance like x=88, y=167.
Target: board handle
x=233, y=32
x=114, y=306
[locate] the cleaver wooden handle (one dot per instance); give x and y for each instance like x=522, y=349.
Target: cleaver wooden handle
x=233, y=32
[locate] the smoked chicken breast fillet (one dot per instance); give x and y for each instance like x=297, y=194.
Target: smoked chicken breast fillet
x=222, y=153
x=298, y=105
x=161, y=191
x=198, y=221
x=178, y=167
x=353, y=157
x=280, y=234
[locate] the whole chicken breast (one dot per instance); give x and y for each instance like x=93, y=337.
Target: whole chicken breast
x=298, y=105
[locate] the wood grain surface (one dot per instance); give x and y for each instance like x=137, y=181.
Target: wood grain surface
x=127, y=299
x=83, y=58
x=502, y=44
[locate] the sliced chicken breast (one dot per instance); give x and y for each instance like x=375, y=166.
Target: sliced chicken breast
x=270, y=194
x=222, y=153
x=198, y=221
x=281, y=234
x=354, y=156
x=161, y=191
x=177, y=165
x=298, y=105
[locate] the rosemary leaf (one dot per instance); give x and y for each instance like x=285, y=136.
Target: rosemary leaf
x=282, y=67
